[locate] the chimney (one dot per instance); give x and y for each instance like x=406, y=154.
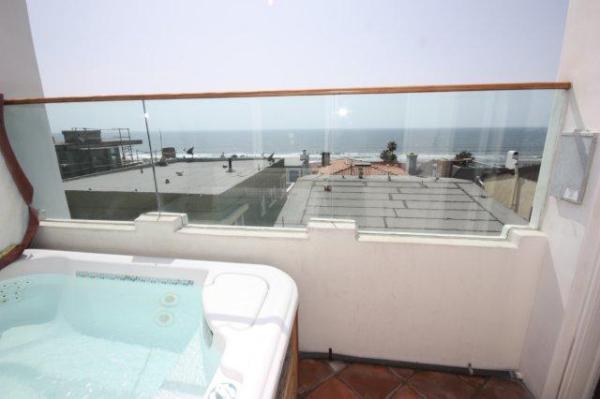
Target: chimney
x=229, y=162
x=512, y=159
x=325, y=158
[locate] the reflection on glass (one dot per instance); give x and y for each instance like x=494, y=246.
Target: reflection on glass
x=234, y=161
x=101, y=154
x=458, y=163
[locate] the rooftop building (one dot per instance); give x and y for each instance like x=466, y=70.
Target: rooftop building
x=410, y=204
x=88, y=151
x=251, y=193
x=200, y=177
x=353, y=167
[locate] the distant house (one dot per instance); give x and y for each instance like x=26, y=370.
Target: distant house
x=85, y=151
x=168, y=152
x=252, y=193
x=352, y=167
x=402, y=203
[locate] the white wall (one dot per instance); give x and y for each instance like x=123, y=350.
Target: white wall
x=28, y=130
x=428, y=300
x=570, y=228
x=18, y=77
x=27, y=127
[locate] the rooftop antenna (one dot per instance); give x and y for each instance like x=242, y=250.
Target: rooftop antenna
x=190, y=151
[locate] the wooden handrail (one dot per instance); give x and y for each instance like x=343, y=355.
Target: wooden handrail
x=301, y=92
x=12, y=253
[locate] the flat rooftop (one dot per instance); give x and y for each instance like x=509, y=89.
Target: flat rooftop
x=404, y=203
x=207, y=178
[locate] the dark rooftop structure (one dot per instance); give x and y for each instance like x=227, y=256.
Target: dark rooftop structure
x=88, y=151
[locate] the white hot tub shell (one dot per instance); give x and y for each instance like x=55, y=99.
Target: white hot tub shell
x=249, y=308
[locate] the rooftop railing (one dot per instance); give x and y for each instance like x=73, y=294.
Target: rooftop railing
x=452, y=159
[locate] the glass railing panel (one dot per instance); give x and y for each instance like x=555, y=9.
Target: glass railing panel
x=235, y=161
x=298, y=130
x=464, y=163
x=88, y=160
x=444, y=163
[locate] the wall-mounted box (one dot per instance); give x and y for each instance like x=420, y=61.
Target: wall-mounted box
x=574, y=158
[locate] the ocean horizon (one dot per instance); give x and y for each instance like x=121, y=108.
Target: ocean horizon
x=489, y=144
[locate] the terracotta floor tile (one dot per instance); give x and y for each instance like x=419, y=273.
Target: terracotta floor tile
x=321, y=379
x=370, y=381
x=406, y=392
x=435, y=385
x=475, y=381
x=332, y=389
x=402, y=372
x=311, y=372
x=504, y=389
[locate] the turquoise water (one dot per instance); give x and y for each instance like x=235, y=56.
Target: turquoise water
x=83, y=337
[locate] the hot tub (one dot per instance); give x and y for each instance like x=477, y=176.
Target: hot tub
x=84, y=325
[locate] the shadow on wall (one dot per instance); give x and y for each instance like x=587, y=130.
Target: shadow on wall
x=544, y=328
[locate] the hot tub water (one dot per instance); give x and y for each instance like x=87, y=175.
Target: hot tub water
x=102, y=336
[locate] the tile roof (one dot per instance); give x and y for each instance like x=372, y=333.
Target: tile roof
x=350, y=167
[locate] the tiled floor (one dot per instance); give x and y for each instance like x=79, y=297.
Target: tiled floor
x=321, y=379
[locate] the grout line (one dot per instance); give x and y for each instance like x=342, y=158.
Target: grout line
x=480, y=389
x=391, y=369
x=333, y=374
x=393, y=391
x=421, y=394
x=408, y=381
x=350, y=387
x=320, y=382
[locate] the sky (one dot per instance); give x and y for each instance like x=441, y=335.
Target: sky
x=90, y=47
